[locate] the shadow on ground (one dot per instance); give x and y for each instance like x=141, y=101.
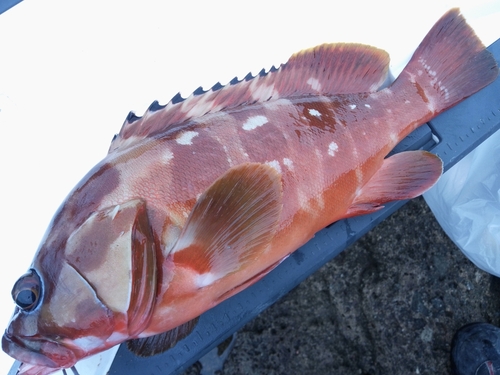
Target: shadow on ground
x=389, y=304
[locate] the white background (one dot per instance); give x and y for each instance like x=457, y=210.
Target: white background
x=71, y=70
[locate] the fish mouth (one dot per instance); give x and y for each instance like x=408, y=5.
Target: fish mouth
x=39, y=352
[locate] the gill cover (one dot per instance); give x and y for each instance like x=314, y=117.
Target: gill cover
x=114, y=251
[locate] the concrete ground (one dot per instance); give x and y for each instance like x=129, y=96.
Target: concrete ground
x=389, y=304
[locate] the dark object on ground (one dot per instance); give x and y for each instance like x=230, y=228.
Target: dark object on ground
x=475, y=350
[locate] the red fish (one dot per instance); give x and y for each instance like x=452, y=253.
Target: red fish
x=202, y=197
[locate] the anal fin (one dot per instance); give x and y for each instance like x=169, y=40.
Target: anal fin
x=402, y=176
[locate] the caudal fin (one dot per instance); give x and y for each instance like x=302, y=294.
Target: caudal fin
x=450, y=64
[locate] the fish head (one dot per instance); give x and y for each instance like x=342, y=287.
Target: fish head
x=96, y=293
x=56, y=323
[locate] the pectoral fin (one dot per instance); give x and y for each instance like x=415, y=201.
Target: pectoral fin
x=232, y=223
x=402, y=176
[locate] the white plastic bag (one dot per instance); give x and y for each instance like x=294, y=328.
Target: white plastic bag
x=466, y=202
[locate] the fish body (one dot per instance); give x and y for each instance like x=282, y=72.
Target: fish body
x=203, y=197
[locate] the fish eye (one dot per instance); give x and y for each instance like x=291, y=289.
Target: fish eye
x=27, y=291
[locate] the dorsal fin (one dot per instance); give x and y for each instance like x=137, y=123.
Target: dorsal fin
x=327, y=69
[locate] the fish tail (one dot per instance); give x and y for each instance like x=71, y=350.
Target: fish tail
x=450, y=64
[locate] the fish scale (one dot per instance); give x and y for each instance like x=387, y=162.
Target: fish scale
x=202, y=197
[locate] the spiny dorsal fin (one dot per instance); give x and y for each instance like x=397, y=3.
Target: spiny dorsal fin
x=232, y=223
x=327, y=69
x=149, y=346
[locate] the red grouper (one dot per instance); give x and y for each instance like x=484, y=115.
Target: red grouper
x=202, y=197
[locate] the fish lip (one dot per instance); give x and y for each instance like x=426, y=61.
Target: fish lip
x=50, y=354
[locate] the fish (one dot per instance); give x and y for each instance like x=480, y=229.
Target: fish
x=202, y=197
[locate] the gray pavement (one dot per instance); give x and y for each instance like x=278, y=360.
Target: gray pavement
x=389, y=304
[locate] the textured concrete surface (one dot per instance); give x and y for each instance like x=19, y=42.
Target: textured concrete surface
x=389, y=304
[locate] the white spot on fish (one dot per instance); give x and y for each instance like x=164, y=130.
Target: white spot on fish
x=277, y=105
x=169, y=238
x=434, y=80
x=115, y=211
x=205, y=279
x=320, y=201
x=358, y=192
x=389, y=110
x=314, y=113
x=262, y=92
x=254, y=122
x=431, y=106
x=275, y=164
x=288, y=163
x=394, y=137
x=444, y=90
x=88, y=343
x=368, y=106
x=332, y=148
x=352, y=106
x=183, y=243
x=407, y=101
x=186, y=138
x=303, y=199
x=359, y=176
x=229, y=160
x=310, y=204
x=318, y=153
x=314, y=83
x=167, y=156
x=427, y=67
